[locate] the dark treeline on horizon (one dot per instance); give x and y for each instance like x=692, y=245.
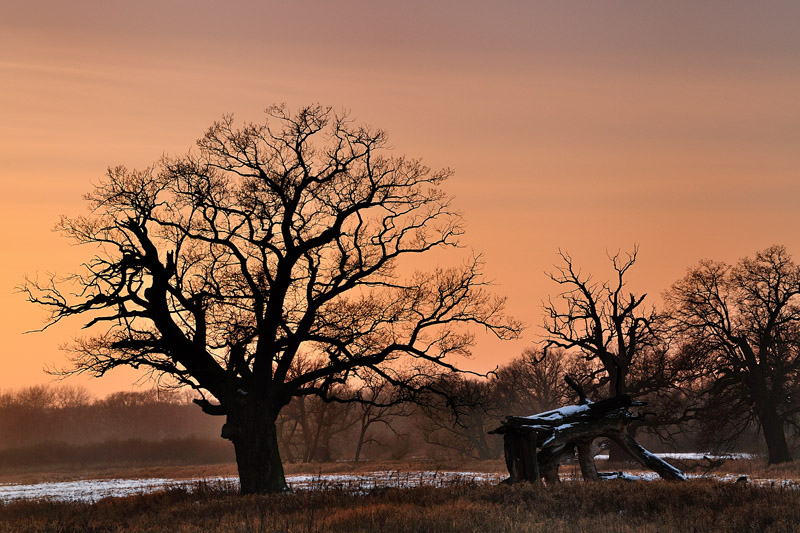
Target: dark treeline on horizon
x=63, y=424
x=55, y=425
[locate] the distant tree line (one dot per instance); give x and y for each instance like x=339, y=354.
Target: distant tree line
x=62, y=424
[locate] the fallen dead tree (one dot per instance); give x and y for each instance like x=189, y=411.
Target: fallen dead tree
x=536, y=445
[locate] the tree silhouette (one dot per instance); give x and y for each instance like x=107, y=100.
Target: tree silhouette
x=460, y=419
x=624, y=342
x=378, y=404
x=602, y=320
x=219, y=268
x=532, y=383
x=741, y=339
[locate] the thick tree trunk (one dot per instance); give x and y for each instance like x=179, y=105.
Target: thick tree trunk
x=616, y=453
x=254, y=435
x=771, y=424
x=520, y=456
x=586, y=460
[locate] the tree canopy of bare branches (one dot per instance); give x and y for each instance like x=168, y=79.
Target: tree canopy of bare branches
x=602, y=320
x=533, y=382
x=270, y=241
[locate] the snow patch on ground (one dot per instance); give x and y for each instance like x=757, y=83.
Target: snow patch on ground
x=691, y=456
x=86, y=490
x=628, y=476
x=92, y=490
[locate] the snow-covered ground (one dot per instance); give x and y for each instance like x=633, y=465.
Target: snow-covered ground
x=95, y=489
x=87, y=489
x=692, y=456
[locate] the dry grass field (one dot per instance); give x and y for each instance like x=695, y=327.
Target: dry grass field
x=622, y=506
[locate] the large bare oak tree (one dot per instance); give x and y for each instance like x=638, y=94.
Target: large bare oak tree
x=267, y=243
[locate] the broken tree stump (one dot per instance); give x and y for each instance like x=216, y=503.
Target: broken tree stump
x=520, y=454
x=536, y=445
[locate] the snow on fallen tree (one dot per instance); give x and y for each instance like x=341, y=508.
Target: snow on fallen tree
x=536, y=445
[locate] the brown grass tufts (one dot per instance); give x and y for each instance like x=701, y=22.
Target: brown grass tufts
x=572, y=507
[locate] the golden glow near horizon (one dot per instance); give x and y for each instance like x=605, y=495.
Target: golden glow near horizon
x=584, y=126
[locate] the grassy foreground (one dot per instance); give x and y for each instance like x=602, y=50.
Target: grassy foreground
x=702, y=505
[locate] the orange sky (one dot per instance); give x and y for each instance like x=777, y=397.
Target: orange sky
x=588, y=126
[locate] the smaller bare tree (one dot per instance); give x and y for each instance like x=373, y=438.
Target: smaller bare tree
x=460, y=418
x=601, y=320
x=378, y=403
x=625, y=344
x=533, y=382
